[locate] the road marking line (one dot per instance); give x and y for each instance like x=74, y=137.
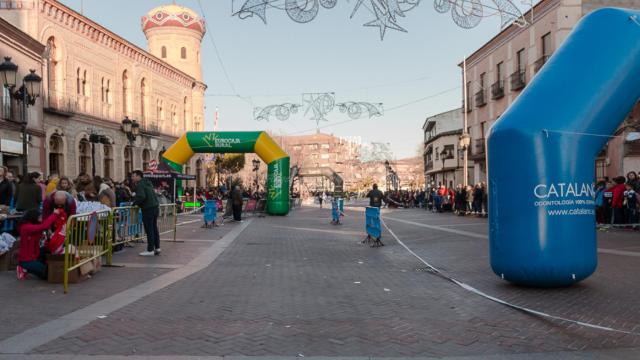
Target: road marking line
x=470, y=288
x=31, y=339
x=481, y=236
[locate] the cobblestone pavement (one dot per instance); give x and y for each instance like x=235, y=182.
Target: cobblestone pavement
x=297, y=286
x=26, y=304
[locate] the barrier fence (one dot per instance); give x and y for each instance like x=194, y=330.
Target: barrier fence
x=87, y=239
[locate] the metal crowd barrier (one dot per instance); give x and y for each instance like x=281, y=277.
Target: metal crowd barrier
x=88, y=237
x=168, y=219
x=127, y=225
x=91, y=236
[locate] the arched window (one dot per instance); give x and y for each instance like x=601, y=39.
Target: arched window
x=143, y=101
x=183, y=52
x=164, y=52
x=128, y=157
x=108, y=161
x=78, y=89
x=56, y=155
x=125, y=93
x=84, y=151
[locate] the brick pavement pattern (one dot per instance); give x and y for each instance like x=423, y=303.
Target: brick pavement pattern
x=296, y=285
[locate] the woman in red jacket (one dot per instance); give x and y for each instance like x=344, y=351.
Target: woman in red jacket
x=618, y=200
x=30, y=256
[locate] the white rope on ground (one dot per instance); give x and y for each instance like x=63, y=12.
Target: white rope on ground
x=500, y=301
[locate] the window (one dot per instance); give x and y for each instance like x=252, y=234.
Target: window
x=183, y=52
x=143, y=101
x=520, y=62
x=468, y=100
x=107, y=94
x=78, y=81
x=324, y=156
x=546, y=44
x=125, y=94
x=164, y=52
x=184, y=114
x=325, y=146
x=499, y=71
x=482, y=80
x=6, y=103
x=437, y=154
x=84, y=83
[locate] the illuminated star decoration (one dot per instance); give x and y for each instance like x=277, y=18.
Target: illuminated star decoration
x=320, y=104
x=385, y=12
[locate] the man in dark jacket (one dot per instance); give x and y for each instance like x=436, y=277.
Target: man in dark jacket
x=375, y=197
x=236, y=198
x=145, y=198
x=6, y=188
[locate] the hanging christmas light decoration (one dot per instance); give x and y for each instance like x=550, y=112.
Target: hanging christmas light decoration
x=466, y=14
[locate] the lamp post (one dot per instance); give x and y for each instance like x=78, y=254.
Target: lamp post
x=386, y=169
x=131, y=129
x=256, y=167
x=26, y=95
x=463, y=145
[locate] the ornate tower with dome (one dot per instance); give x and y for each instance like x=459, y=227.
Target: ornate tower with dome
x=174, y=34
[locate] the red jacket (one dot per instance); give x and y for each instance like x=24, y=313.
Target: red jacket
x=30, y=235
x=618, y=195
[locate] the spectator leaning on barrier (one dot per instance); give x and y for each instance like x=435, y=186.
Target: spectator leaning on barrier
x=28, y=193
x=59, y=200
x=145, y=199
x=6, y=189
x=106, y=195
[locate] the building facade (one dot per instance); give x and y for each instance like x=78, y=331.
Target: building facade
x=499, y=70
x=93, y=79
x=443, y=158
x=26, y=52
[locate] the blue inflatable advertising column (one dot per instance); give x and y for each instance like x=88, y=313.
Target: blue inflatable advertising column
x=541, y=152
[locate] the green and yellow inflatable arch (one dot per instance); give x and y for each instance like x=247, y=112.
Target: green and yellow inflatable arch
x=257, y=142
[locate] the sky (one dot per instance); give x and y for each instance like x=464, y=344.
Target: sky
x=414, y=74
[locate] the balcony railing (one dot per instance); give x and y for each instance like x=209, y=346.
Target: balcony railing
x=540, y=62
x=481, y=99
x=497, y=90
x=480, y=146
x=150, y=129
x=518, y=80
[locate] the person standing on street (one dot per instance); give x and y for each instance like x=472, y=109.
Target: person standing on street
x=28, y=193
x=6, y=188
x=145, y=198
x=236, y=203
x=375, y=197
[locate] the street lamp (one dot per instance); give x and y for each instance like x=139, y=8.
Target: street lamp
x=27, y=94
x=256, y=167
x=131, y=129
x=386, y=169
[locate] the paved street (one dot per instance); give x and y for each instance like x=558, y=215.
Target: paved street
x=298, y=286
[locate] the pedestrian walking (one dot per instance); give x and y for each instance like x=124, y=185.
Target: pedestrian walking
x=236, y=205
x=145, y=198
